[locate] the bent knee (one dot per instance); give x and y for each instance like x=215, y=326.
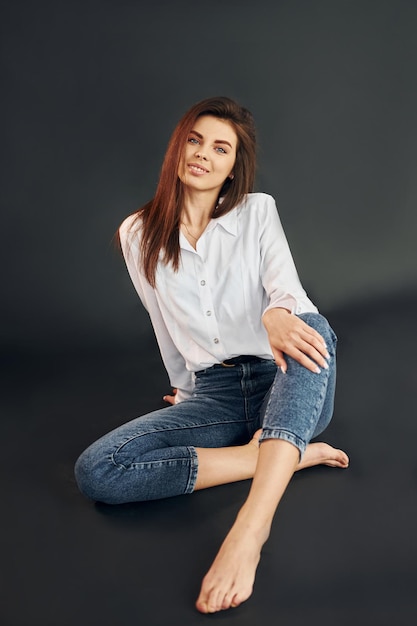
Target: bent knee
x=321, y=325
x=90, y=475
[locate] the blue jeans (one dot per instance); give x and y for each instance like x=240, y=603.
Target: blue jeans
x=154, y=456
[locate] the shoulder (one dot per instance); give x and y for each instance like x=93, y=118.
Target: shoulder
x=129, y=224
x=129, y=227
x=257, y=206
x=129, y=236
x=258, y=201
x=258, y=197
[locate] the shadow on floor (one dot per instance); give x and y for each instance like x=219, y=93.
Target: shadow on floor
x=342, y=549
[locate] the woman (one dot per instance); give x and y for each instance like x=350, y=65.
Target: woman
x=250, y=358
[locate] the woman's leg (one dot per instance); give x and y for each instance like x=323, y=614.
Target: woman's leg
x=153, y=456
x=219, y=466
x=299, y=406
x=300, y=403
x=230, y=579
x=191, y=445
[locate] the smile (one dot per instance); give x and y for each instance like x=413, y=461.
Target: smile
x=197, y=169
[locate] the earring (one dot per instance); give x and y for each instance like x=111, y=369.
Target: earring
x=231, y=176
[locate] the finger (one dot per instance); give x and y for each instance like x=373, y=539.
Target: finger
x=305, y=344
x=301, y=332
x=309, y=363
x=280, y=360
x=317, y=340
x=311, y=331
x=316, y=353
x=169, y=399
x=315, y=348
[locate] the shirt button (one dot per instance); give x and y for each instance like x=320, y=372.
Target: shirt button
x=208, y=313
x=216, y=340
x=202, y=283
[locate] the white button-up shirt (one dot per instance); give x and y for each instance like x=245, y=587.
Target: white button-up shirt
x=211, y=309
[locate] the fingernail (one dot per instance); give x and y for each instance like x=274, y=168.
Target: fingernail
x=317, y=370
x=326, y=367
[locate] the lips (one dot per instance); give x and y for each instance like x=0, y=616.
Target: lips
x=195, y=168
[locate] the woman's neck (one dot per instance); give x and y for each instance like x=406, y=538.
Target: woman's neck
x=198, y=208
x=196, y=214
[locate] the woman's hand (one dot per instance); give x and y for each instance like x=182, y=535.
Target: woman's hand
x=288, y=334
x=170, y=399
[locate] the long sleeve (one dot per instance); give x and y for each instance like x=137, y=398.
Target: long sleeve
x=278, y=272
x=174, y=363
x=211, y=308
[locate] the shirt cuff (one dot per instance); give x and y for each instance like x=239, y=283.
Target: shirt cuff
x=181, y=395
x=288, y=303
x=292, y=304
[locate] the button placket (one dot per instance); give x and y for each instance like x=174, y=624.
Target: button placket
x=207, y=305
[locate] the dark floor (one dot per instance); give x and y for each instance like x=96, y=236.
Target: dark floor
x=343, y=548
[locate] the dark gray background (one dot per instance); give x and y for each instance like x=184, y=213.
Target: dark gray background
x=90, y=94
x=92, y=91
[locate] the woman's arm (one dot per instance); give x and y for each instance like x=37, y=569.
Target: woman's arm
x=174, y=363
x=287, y=333
x=277, y=270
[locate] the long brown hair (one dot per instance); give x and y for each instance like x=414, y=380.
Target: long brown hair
x=160, y=218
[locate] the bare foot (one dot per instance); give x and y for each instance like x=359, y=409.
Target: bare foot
x=229, y=581
x=318, y=453
x=321, y=453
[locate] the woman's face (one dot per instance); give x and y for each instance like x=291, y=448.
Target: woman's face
x=209, y=155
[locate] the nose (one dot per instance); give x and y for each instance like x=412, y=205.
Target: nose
x=200, y=154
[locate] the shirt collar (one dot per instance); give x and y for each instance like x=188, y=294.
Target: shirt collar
x=228, y=222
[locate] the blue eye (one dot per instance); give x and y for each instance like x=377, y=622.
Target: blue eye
x=222, y=150
x=193, y=140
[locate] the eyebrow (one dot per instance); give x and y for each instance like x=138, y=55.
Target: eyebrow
x=200, y=136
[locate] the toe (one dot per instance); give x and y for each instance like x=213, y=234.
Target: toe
x=201, y=606
x=209, y=601
x=228, y=600
x=343, y=458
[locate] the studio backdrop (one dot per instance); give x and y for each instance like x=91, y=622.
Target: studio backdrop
x=92, y=90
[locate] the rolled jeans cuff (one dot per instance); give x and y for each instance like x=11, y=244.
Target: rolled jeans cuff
x=193, y=470
x=285, y=435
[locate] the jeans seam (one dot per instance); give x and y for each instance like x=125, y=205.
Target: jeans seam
x=321, y=396
x=120, y=446
x=276, y=433
x=130, y=464
x=191, y=462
